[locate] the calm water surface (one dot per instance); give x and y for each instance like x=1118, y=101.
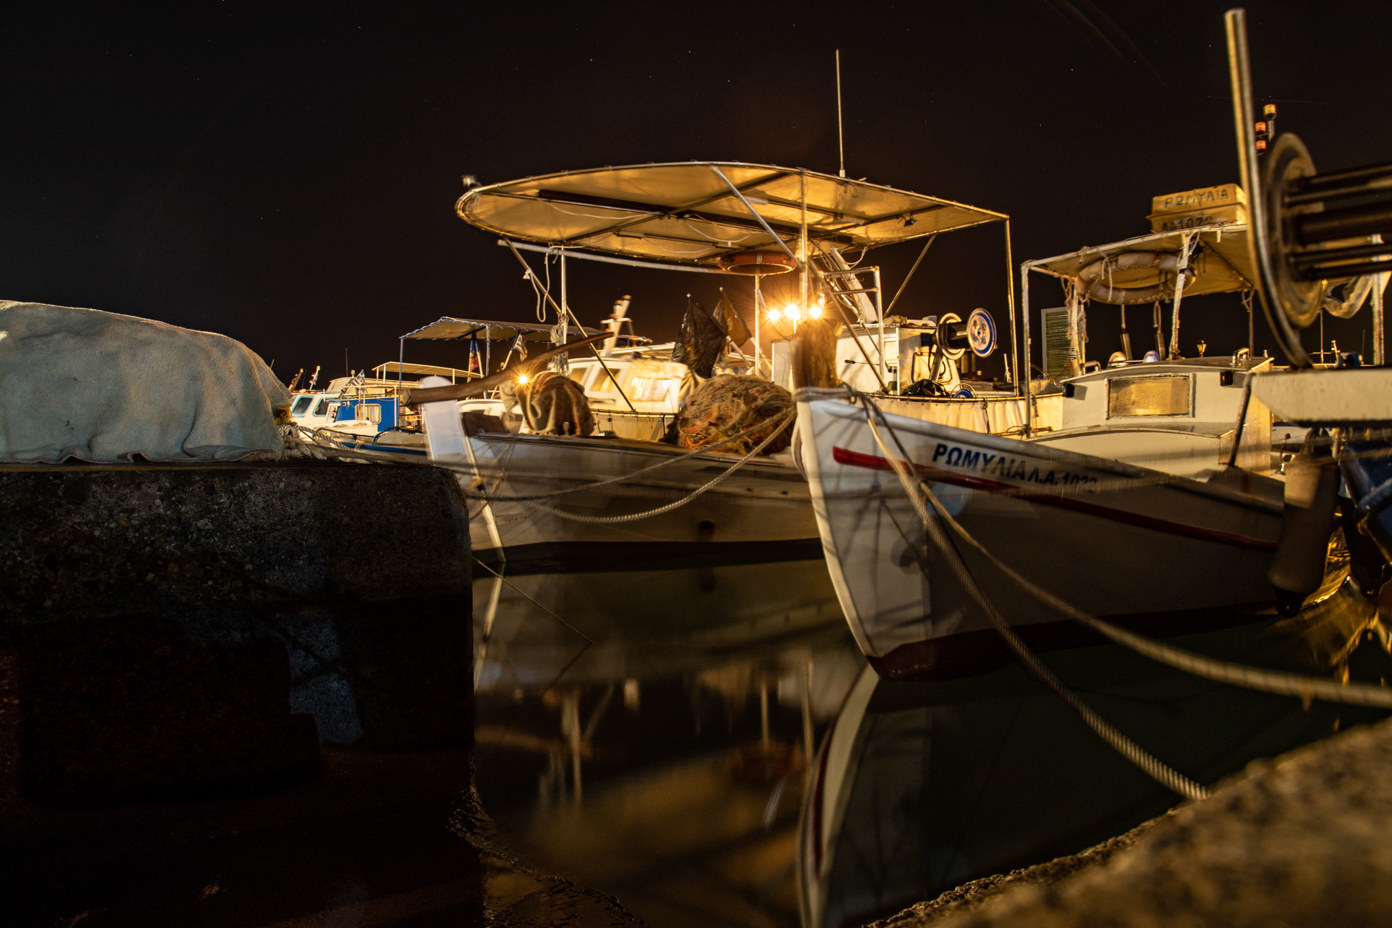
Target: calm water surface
x=655, y=735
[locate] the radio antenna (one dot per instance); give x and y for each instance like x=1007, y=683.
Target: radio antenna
x=840, y=138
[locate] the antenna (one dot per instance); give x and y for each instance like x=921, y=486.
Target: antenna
x=840, y=139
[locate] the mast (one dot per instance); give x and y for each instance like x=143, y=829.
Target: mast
x=840, y=138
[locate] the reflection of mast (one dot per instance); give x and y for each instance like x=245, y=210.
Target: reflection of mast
x=570, y=731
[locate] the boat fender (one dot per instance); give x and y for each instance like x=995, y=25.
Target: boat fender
x=1369, y=569
x=1095, y=278
x=1367, y=469
x=553, y=404
x=1308, y=521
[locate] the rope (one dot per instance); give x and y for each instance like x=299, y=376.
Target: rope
x=781, y=420
x=918, y=492
x=787, y=418
x=1271, y=681
x=1277, y=682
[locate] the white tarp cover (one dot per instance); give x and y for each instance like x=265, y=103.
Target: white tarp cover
x=107, y=388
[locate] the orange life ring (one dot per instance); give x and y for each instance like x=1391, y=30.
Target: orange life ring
x=754, y=263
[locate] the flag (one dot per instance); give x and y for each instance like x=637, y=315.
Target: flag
x=475, y=362
x=519, y=347
x=734, y=326
x=700, y=339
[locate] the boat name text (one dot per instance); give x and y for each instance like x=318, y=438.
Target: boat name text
x=1003, y=465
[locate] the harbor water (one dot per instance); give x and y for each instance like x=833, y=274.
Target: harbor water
x=662, y=737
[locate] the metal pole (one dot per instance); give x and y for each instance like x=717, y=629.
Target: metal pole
x=1025, y=385
x=802, y=245
x=1010, y=303
x=758, y=311
x=1378, y=333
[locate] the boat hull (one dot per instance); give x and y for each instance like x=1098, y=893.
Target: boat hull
x=1105, y=537
x=609, y=501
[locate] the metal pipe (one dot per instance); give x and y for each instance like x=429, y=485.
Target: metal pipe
x=1334, y=224
x=1027, y=384
x=561, y=312
x=1014, y=370
x=611, y=259
x=760, y=219
x=1240, y=77
x=1304, y=259
x=1333, y=185
x=1323, y=272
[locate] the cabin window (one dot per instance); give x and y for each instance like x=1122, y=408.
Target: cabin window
x=604, y=381
x=1164, y=395
x=301, y=404
x=323, y=408
x=652, y=389
x=371, y=412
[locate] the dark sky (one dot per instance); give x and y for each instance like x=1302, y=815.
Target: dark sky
x=285, y=173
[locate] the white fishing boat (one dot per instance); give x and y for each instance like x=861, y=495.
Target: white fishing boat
x=1028, y=521
x=1156, y=491
x=632, y=386
x=364, y=412
x=597, y=492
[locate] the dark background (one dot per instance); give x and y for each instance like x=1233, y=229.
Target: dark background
x=285, y=173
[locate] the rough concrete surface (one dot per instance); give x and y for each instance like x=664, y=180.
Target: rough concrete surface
x=1302, y=839
x=172, y=628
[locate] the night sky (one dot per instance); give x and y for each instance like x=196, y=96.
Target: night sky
x=285, y=173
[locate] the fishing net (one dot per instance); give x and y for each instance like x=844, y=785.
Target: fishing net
x=728, y=404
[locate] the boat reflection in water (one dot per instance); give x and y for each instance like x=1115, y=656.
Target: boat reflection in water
x=922, y=786
x=645, y=731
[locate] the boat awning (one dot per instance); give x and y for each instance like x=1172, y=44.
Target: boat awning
x=708, y=213
x=404, y=368
x=448, y=328
x=1221, y=261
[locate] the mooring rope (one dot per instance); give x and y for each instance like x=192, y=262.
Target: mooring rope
x=1278, y=682
x=1303, y=686
x=917, y=493
x=783, y=419
x=780, y=423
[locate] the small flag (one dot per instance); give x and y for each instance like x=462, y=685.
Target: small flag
x=475, y=361
x=519, y=347
x=734, y=326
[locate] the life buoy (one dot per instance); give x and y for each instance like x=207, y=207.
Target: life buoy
x=754, y=263
x=1095, y=278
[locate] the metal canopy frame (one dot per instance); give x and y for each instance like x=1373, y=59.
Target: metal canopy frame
x=1208, y=259
x=707, y=212
x=715, y=216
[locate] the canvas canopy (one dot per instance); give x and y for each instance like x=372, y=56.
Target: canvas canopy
x=448, y=328
x=708, y=213
x=1220, y=260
